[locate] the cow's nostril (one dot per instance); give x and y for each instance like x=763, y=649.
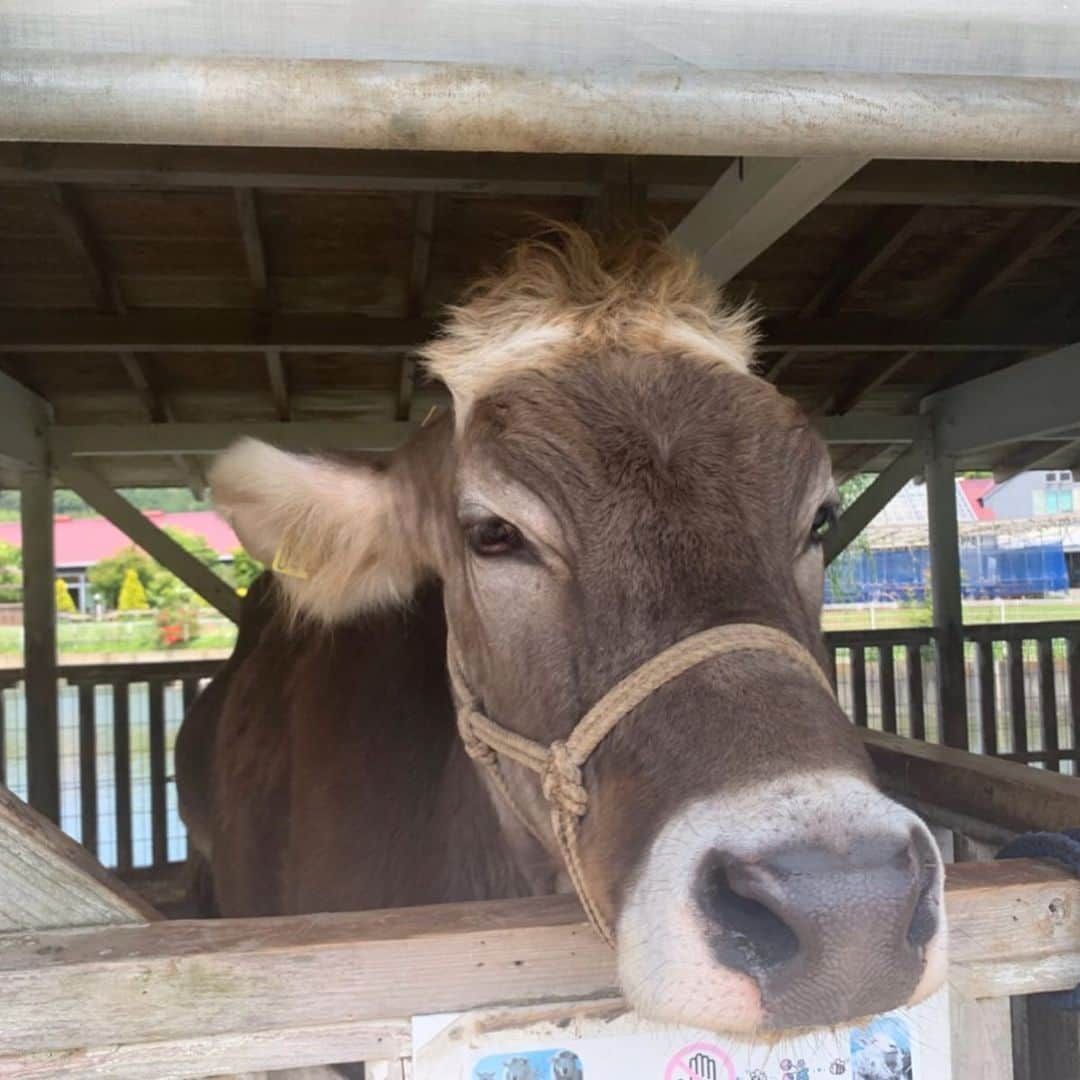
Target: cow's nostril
x=743, y=933
x=925, y=917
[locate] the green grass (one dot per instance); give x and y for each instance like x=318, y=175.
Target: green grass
x=134, y=636
x=976, y=613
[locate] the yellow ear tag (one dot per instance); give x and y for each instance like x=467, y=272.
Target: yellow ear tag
x=285, y=563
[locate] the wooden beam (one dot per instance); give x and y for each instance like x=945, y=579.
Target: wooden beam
x=254, y=252
x=753, y=204
x=1036, y=232
x=47, y=881
x=39, y=642
x=1013, y=926
x=1029, y=400
x=79, y=236
x=1038, y=455
x=419, y=268
x=671, y=179
x=279, y=383
x=209, y=438
x=25, y=419
x=948, y=607
x=867, y=254
x=180, y=330
x=95, y=440
x=150, y=538
x=873, y=500
x=1002, y=793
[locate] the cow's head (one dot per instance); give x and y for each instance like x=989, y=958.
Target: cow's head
x=614, y=479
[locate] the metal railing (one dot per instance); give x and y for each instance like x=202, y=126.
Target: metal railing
x=118, y=722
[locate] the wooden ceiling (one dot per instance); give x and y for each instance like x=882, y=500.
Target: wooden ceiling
x=188, y=285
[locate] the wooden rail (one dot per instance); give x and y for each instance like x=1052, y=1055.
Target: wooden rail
x=116, y=999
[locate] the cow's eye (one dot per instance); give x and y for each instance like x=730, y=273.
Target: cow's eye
x=493, y=536
x=824, y=523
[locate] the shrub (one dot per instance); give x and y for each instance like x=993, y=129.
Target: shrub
x=132, y=593
x=64, y=604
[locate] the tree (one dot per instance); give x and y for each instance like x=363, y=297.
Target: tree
x=10, y=573
x=64, y=604
x=107, y=576
x=162, y=588
x=132, y=593
x=245, y=569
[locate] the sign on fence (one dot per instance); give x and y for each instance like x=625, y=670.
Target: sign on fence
x=601, y=1041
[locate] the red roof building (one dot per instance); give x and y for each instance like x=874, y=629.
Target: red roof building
x=82, y=541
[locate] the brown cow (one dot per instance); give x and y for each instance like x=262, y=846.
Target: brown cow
x=613, y=480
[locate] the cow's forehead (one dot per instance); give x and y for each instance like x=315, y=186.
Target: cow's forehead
x=558, y=299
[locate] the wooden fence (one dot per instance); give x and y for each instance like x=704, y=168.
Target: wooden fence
x=118, y=722
x=1023, y=687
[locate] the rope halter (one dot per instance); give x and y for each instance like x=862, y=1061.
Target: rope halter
x=559, y=764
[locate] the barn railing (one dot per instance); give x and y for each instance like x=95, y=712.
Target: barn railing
x=118, y=722
x=1023, y=687
x=117, y=728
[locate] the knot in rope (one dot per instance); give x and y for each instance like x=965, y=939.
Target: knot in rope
x=476, y=747
x=562, y=781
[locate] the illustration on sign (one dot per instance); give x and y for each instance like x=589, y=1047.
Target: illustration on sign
x=605, y=1041
x=534, y=1065
x=882, y=1050
x=700, y=1061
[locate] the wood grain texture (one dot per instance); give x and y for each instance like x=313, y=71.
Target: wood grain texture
x=1015, y=927
x=49, y=881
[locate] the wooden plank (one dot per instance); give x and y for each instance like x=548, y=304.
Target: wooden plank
x=1018, y=696
x=39, y=643
x=987, y=697
x=756, y=201
x=887, y=681
x=148, y=536
x=88, y=781
x=981, y=1034
x=916, y=692
x=858, y=685
x=122, y=773
x=1048, y=696
x=158, y=811
x=1000, y=793
x=231, y=331
x=1013, y=925
x=49, y=881
x=79, y=235
x=677, y=179
x=247, y=1053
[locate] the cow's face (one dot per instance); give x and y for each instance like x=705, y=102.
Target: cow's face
x=615, y=480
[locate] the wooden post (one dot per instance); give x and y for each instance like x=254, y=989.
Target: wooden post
x=39, y=643
x=945, y=583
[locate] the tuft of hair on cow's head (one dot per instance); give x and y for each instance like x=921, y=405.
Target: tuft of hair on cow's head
x=564, y=295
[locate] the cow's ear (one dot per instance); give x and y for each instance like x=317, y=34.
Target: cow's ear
x=339, y=535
